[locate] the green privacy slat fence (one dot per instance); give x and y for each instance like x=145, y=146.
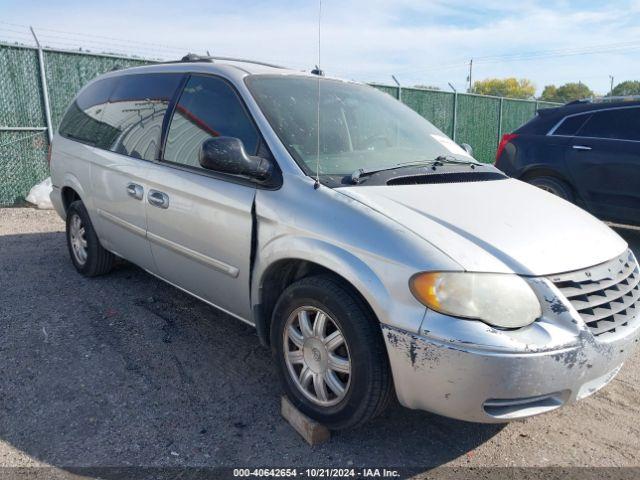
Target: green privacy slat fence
x=478, y=124
x=23, y=154
x=473, y=119
x=515, y=113
x=68, y=72
x=22, y=164
x=20, y=101
x=436, y=106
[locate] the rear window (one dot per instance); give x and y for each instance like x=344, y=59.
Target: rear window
x=83, y=119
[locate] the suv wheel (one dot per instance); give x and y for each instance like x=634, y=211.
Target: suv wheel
x=87, y=255
x=330, y=353
x=553, y=185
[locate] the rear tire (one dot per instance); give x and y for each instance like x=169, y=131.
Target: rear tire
x=345, y=357
x=87, y=255
x=553, y=185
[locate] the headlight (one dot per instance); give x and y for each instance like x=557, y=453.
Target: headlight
x=498, y=299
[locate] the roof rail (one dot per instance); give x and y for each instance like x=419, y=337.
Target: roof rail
x=193, y=57
x=613, y=98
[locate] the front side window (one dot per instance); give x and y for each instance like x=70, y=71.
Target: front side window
x=620, y=124
x=208, y=107
x=83, y=119
x=360, y=127
x=135, y=112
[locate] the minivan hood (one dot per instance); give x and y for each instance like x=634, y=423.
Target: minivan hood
x=504, y=226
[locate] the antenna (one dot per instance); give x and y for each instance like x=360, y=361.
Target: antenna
x=316, y=185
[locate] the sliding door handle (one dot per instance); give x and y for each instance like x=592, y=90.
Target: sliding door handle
x=581, y=147
x=158, y=199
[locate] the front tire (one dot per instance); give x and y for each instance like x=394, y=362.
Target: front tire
x=330, y=353
x=87, y=255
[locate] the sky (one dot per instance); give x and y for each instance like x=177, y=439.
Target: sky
x=425, y=42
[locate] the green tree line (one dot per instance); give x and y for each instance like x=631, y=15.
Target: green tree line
x=525, y=89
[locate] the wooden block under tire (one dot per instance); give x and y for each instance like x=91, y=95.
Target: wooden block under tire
x=313, y=432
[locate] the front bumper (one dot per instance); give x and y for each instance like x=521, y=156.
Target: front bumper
x=486, y=386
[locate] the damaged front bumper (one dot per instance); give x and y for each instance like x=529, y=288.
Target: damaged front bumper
x=470, y=371
x=492, y=387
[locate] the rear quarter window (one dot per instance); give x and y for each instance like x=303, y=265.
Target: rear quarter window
x=136, y=111
x=571, y=125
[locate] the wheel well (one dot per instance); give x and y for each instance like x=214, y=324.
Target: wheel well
x=543, y=172
x=69, y=195
x=276, y=280
x=548, y=172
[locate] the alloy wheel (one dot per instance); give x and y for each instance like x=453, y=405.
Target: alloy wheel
x=317, y=356
x=77, y=239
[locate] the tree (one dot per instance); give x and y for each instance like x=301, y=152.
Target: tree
x=630, y=87
x=550, y=93
x=505, y=87
x=566, y=93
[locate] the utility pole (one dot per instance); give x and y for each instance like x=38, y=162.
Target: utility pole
x=470, y=75
x=611, y=91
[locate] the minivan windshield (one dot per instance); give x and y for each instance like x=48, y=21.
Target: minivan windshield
x=360, y=126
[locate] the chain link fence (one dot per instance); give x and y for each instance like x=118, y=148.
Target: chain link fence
x=473, y=119
x=23, y=126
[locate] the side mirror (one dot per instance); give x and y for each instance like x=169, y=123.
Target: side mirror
x=467, y=148
x=227, y=155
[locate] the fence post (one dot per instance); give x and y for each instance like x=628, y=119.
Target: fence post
x=399, y=96
x=500, y=120
x=45, y=90
x=455, y=114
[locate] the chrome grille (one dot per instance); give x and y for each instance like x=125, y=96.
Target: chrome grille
x=607, y=296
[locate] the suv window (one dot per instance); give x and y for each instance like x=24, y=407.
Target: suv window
x=208, y=107
x=83, y=119
x=571, y=125
x=621, y=124
x=136, y=110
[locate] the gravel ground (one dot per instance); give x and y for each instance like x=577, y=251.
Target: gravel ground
x=126, y=370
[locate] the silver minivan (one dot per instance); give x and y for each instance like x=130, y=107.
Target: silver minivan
x=373, y=254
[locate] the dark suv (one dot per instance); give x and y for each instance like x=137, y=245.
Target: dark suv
x=585, y=152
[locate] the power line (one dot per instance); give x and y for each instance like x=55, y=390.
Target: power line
x=89, y=35
x=535, y=55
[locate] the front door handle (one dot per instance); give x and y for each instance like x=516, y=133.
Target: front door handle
x=158, y=199
x=581, y=147
x=136, y=191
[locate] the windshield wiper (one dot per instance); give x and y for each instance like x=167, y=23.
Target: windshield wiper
x=438, y=161
x=355, y=176
x=448, y=159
